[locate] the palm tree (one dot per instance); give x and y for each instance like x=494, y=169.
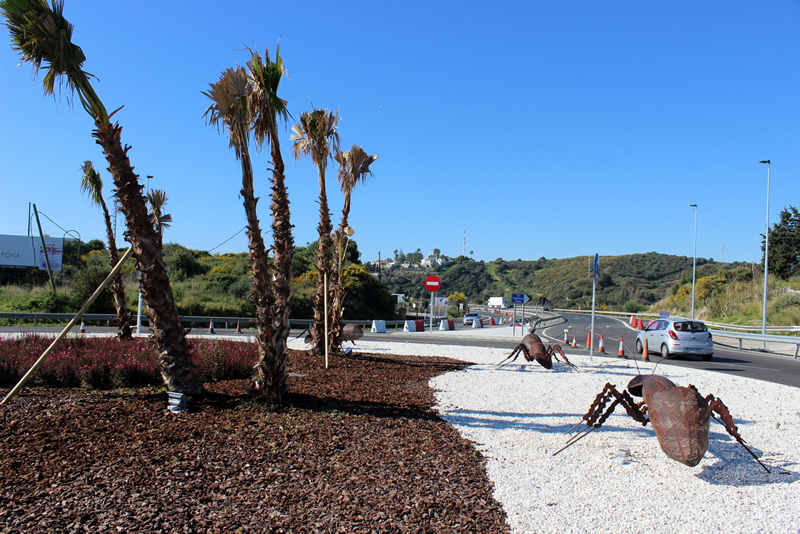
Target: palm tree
x=267, y=108
x=157, y=200
x=242, y=101
x=92, y=185
x=316, y=135
x=43, y=37
x=354, y=167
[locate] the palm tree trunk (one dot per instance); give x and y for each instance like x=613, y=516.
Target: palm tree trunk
x=273, y=363
x=323, y=268
x=175, y=360
x=124, y=330
x=334, y=326
x=267, y=384
x=337, y=298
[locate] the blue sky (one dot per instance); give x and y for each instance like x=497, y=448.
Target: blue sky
x=553, y=129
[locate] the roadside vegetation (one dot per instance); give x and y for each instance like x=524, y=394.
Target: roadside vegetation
x=204, y=284
x=207, y=284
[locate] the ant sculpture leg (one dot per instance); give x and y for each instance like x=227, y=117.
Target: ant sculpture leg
x=521, y=348
x=717, y=406
x=551, y=351
x=598, y=413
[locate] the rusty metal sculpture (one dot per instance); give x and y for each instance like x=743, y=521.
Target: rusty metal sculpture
x=680, y=416
x=533, y=349
x=351, y=332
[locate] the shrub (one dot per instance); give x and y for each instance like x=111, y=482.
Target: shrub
x=102, y=363
x=85, y=283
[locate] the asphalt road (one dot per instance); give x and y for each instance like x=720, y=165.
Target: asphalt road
x=770, y=367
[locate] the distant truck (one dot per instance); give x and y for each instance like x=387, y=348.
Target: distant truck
x=498, y=302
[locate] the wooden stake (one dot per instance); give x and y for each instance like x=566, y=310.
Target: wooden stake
x=67, y=328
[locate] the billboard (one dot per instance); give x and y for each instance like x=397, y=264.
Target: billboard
x=26, y=251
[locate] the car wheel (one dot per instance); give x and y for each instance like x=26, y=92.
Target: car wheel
x=639, y=347
x=664, y=351
x=707, y=357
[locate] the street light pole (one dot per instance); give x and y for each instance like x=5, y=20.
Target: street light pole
x=694, y=261
x=766, y=264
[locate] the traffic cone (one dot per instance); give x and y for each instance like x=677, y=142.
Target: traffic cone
x=491, y=321
x=238, y=328
x=565, y=337
x=83, y=327
x=588, y=340
x=640, y=324
x=645, y=352
x=633, y=321
x=602, y=346
x=211, y=327
x=574, y=342
x=621, y=351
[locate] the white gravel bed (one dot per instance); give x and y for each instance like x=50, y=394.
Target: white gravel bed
x=517, y=417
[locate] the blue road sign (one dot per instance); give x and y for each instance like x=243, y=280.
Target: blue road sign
x=519, y=298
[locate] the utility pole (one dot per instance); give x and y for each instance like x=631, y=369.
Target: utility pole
x=44, y=249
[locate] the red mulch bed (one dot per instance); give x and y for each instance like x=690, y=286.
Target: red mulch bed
x=355, y=448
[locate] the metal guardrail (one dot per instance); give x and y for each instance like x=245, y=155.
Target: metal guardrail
x=741, y=336
x=746, y=328
x=743, y=328
x=33, y=317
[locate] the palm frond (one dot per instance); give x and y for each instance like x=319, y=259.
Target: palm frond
x=158, y=200
x=43, y=38
x=230, y=110
x=267, y=107
x=316, y=135
x=354, y=167
x=91, y=183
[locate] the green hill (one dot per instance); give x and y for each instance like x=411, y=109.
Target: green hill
x=635, y=281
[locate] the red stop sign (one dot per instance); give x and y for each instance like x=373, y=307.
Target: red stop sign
x=432, y=283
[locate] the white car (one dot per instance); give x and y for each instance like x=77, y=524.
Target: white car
x=675, y=335
x=471, y=316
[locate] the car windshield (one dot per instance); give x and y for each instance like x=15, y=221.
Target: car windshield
x=690, y=326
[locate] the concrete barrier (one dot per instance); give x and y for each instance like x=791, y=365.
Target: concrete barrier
x=446, y=324
x=379, y=327
x=477, y=323
x=414, y=326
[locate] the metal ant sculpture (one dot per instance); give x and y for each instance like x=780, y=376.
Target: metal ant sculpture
x=533, y=349
x=680, y=416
